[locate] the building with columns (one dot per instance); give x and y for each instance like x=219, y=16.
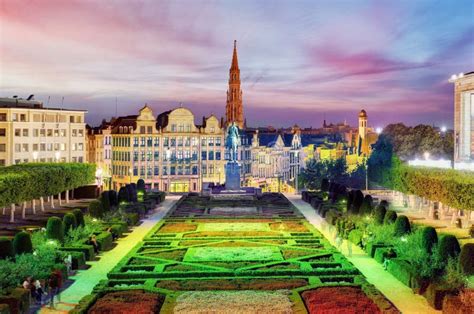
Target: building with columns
x=30, y=132
x=463, y=120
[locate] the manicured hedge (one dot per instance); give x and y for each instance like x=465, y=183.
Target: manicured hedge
x=96, y=209
x=6, y=248
x=70, y=222
x=466, y=259
x=402, y=225
x=448, y=246
x=379, y=214
x=55, y=229
x=22, y=243
x=29, y=181
x=390, y=217
x=429, y=238
x=79, y=217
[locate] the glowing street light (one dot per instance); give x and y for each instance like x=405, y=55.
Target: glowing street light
x=444, y=129
x=378, y=130
x=426, y=155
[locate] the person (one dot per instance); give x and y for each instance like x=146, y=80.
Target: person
x=93, y=241
x=68, y=263
x=27, y=283
x=55, y=282
x=114, y=234
x=39, y=291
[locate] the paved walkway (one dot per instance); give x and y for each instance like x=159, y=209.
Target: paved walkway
x=400, y=295
x=86, y=280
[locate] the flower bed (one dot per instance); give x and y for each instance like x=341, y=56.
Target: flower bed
x=238, y=302
x=232, y=284
x=177, y=227
x=339, y=300
x=233, y=254
x=125, y=302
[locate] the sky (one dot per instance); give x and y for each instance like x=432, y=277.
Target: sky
x=300, y=61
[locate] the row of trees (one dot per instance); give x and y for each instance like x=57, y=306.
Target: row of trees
x=413, y=142
x=450, y=187
x=29, y=182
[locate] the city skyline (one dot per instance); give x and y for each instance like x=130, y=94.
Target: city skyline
x=303, y=61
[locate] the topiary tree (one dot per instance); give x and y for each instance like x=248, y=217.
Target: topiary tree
x=69, y=221
x=105, y=200
x=390, y=217
x=96, y=209
x=429, y=238
x=367, y=205
x=113, y=198
x=6, y=248
x=402, y=226
x=448, y=246
x=358, y=199
x=324, y=185
x=466, y=259
x=22, y=243
x=141, y=185
x=123, y=196
x=379, y=214
x=384, y=203
x=55, y=229
x=79, y=217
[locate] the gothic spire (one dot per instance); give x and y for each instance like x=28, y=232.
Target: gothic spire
x=235, y=62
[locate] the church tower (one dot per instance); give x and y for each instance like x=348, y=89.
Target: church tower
x=234, y=111
x=363, y=141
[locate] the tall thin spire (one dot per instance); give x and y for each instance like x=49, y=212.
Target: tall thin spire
x=235, y=61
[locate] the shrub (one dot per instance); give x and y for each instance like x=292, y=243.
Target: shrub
x=429, y=238
x=454, y=278
x=79, y=217
x=355, y=236
x=113, y=198
x=448, y=246
x=384, y=203
x=367, y=205
x=402, y=226
x=466, y=259
x=70, y=222
x=123, y=196
x=96, y=209
x=6, y=248
x=379, y=214
x=324, y=185
x=390, y=217
x=358, y=199
x=105, y=200
x=140, y=184
x=22, y=243
x=55, y=229
x=350, y=200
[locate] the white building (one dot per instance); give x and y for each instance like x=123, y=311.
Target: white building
x=30, y=132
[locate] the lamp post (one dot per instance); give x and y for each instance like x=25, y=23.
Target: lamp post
x=366, y=175
x=35, y=156
x=297, y=171
x=168, y=159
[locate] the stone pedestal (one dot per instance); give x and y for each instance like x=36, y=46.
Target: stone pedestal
x=232, y=176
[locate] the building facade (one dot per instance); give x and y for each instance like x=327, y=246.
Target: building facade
x=99, y=151
x=30, y=132
x=463, y=121
x=170, y=152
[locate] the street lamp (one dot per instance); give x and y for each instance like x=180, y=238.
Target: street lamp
x=366, y=174
x=426, y=155
x=378, y=130
x=35, y=156
x=443, y=129
x=168, y=159
x=297, y=171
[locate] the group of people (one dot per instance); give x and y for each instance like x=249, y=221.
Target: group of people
x=38, y=288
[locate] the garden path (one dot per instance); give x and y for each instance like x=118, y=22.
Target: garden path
x=399, y=294
x=85, y=280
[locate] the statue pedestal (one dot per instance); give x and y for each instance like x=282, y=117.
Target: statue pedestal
x=232, y=175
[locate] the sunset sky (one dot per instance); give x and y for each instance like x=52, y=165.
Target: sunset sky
x=300, y=61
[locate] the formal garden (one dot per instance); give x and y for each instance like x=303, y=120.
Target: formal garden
x=79, y=235
x=431, y=263
x=263, y=255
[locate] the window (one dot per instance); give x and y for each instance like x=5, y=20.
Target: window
x=149, y=154
x=211, y=141
x=42, y=132
x=17, y=132
x=211, y=155
x=188, y=127
x=3, y=132
x=80, y=146
x=156, y=156
x=203, y=141
x=43, y=147
x=62, y=146
x=135, y=156
x=142, y=129
x=24, y=147
x=166, y=142
x=194, y=141
x=23, y=117
x=173, y=142
x=203, y=155
x=71, y=119
x=148, y=171
x=56, y=133
x=17, y=148
x=49, y=147
x=80, y=132
x=149, y=129
x=3, y=117
x=142, y=170
x=156, y=170
x=173, y=128
x=187, y=142
x=218, y=155
x=135, y=141
x=135, y=171
x=180, y=141
x=218, y=141
x=62, y=132
x=142, y=141
x=180, y=128
x=204, y=170
x=149, y=142
x=35, y=132
x=3, y=147
x=157, y=142
x=164, y=171
x=74, y=132
x=172, y=170
x=2, y=162
x=15, y=117
x=213, y=129
x=195, y=170
x=35, y=147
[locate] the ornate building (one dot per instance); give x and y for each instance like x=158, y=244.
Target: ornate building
x=463, y=120
x=171, y=153
x=360, y=141
x=234, y=111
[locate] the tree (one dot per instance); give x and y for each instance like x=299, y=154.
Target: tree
x=22, y=243
x=55, y=229
x=315, y=171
